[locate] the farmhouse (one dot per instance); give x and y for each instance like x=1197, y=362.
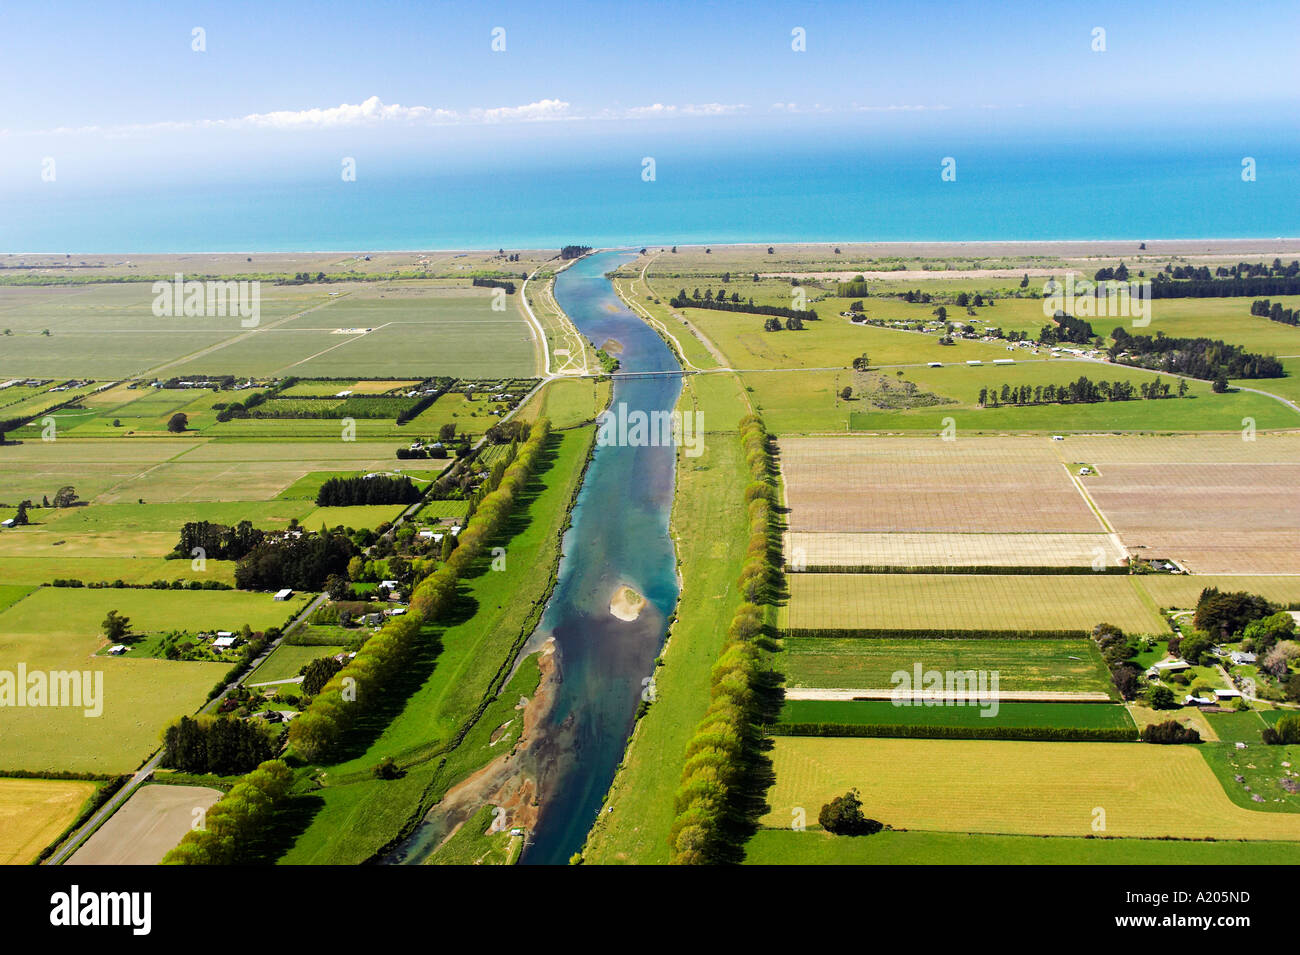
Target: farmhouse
x=223, y=643
x=1240, y=657
x=1190, y=700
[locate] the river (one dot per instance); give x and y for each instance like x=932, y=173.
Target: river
x=619, y=536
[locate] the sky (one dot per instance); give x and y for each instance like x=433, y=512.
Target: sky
x=119, y=97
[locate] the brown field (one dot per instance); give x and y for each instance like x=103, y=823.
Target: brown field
x=150, y=824
x=33, y=812
x=951, y=550
x=874, y=484
x=1215, y=504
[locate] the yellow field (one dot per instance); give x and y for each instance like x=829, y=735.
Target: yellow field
x=967, y=602
x=33, y=812
x=1017, y=788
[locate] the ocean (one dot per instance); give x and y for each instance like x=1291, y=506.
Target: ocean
x=820, y=185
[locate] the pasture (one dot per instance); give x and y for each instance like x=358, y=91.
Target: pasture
x=33, y=812
x=285, y=662
x=854, y=663
x=60, y=630
x=956, y=602
x=1018, y=788
x=410, y=328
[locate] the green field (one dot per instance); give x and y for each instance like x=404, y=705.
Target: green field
x=1018, y=788
x=1064, y=666
x=285, y=662
x=913, y=847
x=1011, y=715
x=939, y=602
x=59, y=629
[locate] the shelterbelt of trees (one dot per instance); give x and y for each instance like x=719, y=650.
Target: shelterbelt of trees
x=721, y=303
x=317, y=733
x=710, y=823
x=1197, y=357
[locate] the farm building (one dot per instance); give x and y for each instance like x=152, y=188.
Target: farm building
x=284, y=594
x=1240, y=657
x=1168, y=666
x=223, y=643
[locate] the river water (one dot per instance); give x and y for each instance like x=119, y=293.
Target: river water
x=618, y=537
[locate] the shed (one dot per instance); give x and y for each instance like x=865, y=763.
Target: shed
x=284, y=594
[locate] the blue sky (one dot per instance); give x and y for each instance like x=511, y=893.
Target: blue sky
x=115, y=90
x=108, y=64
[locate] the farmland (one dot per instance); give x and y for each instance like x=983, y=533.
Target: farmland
x=914, y=484
x=58, y=629
x=140, y=833
x=1070, y=667
x=829, y=550
x=1009, y=714
x=955, y=602
x=35, y=811
x=786, y=847
x=1014, y=787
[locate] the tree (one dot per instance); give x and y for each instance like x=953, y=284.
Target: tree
x=447, y=432
x=337, y=587
x=317, y=673
x=843, y=816
x=846, y=392
x=116, y=627
x=178, y=422
x=1024, y=282
x=1220, y=384
x=20, y=517
x=1161, y=698
x=65, y=496
x=1193, y=647
x=1170, y=731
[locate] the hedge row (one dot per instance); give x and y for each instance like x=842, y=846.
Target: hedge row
x=1060, y=734
x=869, y=633
x=707, y=801
x=237, y=820
x=316, y=734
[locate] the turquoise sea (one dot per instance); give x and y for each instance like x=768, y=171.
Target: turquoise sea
x=749, y=186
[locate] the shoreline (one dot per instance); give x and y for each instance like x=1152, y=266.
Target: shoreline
x=980, y=246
